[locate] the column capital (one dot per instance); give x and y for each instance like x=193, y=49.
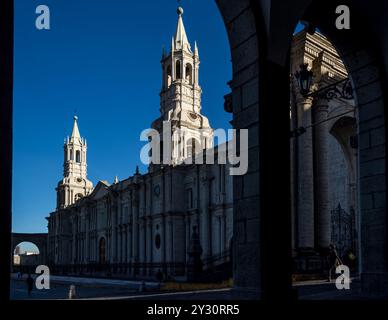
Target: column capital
x=303, y=100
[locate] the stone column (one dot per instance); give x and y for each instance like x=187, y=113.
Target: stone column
x=114, y=232
x=223, y=232
x=163, y=238
x=322, y=177
x=74, y=251
x=187, y=235
x=149, y=240
x=87, y=252
x=135, y=230
x=125, y=244
x=142, y=248
x=119, y=244
x=306, y=178
x=129, y=243
x=205, y=226
x=168, y=248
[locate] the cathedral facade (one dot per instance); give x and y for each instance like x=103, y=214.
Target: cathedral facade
x=154, y=221
x=149, y=222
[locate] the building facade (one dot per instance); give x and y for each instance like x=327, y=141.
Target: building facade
x=324, y=159
x=147, y=222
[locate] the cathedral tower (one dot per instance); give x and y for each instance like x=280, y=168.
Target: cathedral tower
x=74, y=184
x=180, y=97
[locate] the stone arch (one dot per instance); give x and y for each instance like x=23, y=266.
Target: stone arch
x=343, y=129
x=189, y=73
x=38, y=239
x=260, y=34
x=193, y=146
x=78, y=156
x=178, y=70
x=241, y=21
x=363, y=65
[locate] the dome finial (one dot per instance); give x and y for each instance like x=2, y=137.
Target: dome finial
x=179, y=11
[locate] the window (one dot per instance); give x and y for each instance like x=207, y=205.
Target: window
x=71, y=154
x=189, y=73
x=168, y=76
x=189, y=200
x=78, y=156
x=178, y=71
x=193, y=146
x=157, y=241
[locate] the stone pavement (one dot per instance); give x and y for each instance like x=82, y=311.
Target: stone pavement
x=85, y=287
x=90, y=281
x=112, y=289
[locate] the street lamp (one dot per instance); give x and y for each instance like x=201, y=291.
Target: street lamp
x=304, y=78
x=340, y=89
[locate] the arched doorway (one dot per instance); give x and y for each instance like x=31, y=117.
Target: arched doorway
x=26, y=257
x=28, y=249
x=324, y=157
x=261, y=258
x=101, y=251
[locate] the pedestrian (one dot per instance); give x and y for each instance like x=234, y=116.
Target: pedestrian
x=159, y=277
x=30, y=284
x=334, y=260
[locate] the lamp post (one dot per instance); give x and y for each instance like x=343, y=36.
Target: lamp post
x=340, y=89
x=304, y=77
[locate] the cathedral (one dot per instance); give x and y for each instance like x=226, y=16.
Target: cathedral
x=160, y=220
x=155, y=221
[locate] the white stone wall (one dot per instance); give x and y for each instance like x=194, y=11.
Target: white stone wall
x=338, y=175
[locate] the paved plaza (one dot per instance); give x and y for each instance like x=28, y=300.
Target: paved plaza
x=110, y=289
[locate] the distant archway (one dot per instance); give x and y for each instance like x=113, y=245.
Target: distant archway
x=36, y=239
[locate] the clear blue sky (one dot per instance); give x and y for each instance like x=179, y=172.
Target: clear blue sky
x=103, y=59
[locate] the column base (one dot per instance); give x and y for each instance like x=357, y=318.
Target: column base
x=308, y=264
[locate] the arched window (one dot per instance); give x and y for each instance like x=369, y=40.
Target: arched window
x=178, y=71
x=189, y=73
x=78, y=156
x=157, y=241
x=101, y=251
x=169, y=78
x=71, y=154
x=193, y=146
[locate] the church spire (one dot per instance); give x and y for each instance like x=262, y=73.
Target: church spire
x=180, y=39
x=74, y=184
x=180, y=97
x=75, y=135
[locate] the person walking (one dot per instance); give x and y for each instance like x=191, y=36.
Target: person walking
x=159, y=277
x=334, y=260
x=30, y=284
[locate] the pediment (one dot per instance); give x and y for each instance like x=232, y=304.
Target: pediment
x=100, y=190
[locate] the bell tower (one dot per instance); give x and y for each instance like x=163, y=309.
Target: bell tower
x=180, y=97
x=74, y=184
